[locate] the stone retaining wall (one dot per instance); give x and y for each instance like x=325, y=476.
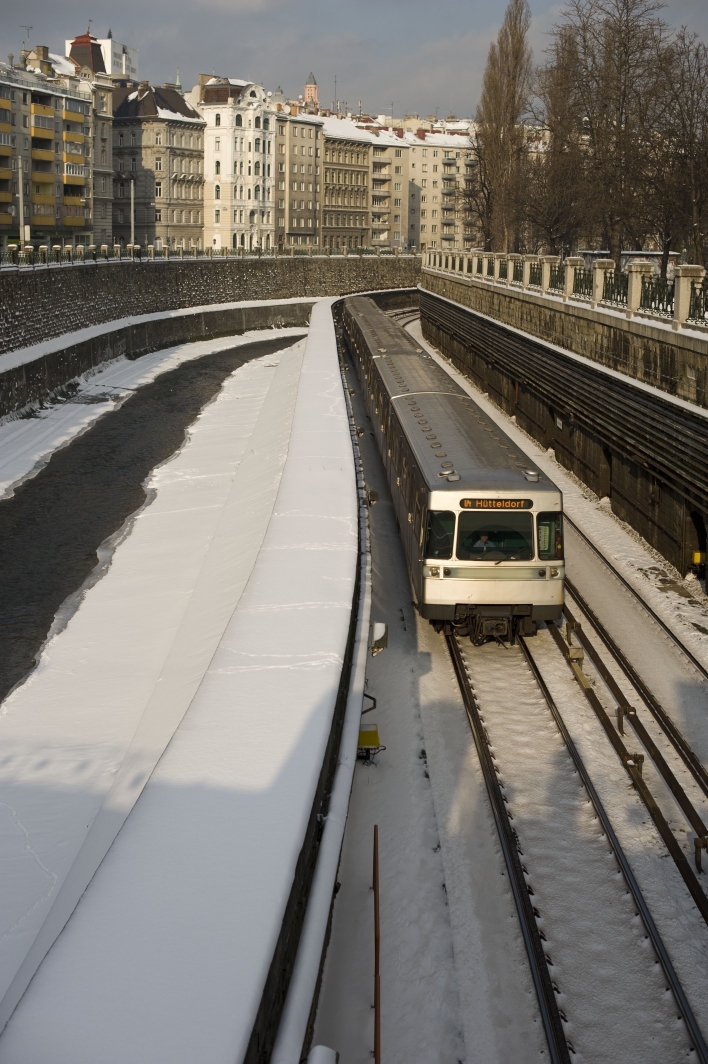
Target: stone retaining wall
x=47, y=301
x=675, y=362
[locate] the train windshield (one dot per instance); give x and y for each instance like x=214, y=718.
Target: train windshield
x=440, y=535
x=488, y=536
x=550, y=536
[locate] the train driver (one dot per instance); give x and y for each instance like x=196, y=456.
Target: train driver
x=484, y=544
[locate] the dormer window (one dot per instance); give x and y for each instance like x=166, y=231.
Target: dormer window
x=239, y=121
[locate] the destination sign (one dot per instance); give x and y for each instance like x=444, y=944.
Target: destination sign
x=496, y=504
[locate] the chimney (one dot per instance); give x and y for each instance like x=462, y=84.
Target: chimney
x=42, y=51
x=420, y=134
x=143, y=89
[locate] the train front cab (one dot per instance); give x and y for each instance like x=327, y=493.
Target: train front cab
x=491, y=566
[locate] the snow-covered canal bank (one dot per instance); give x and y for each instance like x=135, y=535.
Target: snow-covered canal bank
x=162, y=764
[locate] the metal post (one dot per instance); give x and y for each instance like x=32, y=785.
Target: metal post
x=132, y=211
x=377, y=950
x=21, y=191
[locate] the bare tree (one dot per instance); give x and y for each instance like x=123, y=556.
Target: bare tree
x=619, y=97
x=495, y=183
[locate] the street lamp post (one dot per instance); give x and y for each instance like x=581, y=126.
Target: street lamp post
x=132, y=212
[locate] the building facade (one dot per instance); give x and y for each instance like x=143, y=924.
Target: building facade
x=158, y=149
x=51, y=188
x=239, y=163
x=347, y=184
x=437, y=215
x=298, y=194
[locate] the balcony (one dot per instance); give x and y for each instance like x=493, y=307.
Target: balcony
x=5, y=173
x=74, y=174
x=42, y=109
x=43, y=176
x=79, y=138
x=73, y=221
x=42, y=155
x=42, y=133
x=73, y=116
x=5, y=197
x=70, y=157
x=74, y=201
x=37, y=198
x=43, y=220
x=5, y=219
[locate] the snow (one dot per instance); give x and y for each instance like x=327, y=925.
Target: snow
x=177, y=928
x=27, y=444
x=22, y=355
x=600, y=956
x=455, y=980
x=177, y=116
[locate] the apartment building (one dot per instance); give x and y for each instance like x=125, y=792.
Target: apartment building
x=436, y=208
x=239, y=162
x=348, y=184
x=158, y=151
x=298, y=196
x=51, y=114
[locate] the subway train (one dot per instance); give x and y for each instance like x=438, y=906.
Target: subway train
x=481, y=525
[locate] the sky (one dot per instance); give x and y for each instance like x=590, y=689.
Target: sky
x=421, y=56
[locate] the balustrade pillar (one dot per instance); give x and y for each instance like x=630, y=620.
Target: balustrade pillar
x=635, y=272
x=572, y=263
x=546, y=262
x=684, y=278
x=598, y=278
x=527, y=260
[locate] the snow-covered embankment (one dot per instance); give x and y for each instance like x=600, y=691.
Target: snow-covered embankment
x=162, y=762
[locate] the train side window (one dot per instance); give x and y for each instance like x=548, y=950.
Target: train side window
x=550, y=536
x=440, y=535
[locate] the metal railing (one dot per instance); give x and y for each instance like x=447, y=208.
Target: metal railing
x=615, y=287
x=479, y=264
x=582, y=282
x=503, y=269
x=556, y=282
x=698, y=307
x=535, y=274
x=67, y=255
x=490, y=267
x=518, y=272
x=657, y=296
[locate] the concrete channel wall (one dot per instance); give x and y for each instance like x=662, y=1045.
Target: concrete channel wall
x=637, y=446
x=652, y=351
x=46, y=301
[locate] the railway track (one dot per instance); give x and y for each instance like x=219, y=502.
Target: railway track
x=541, y=791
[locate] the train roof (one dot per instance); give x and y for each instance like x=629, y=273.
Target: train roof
x=447, y=430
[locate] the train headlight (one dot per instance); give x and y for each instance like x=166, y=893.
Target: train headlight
x=554, y=572
x=433, y=570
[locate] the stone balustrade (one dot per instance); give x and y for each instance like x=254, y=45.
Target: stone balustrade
x=634, y=292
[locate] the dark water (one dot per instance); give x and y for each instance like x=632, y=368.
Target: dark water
x=50, y=530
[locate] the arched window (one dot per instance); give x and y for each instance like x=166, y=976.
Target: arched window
x=240, y=192
x=257, y=192
x=253, y=93
x=239, y=121
x=266, y=123
x=217, y=167
x=234, y=242
x=258, y=144
x=243, y=240
x=252, y=217
x=257, y=169
x=217, y=120
x=217, y=191
x=249, y=193
x=258, y=122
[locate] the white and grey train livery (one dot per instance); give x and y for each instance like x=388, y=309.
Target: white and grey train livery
x=481, y=525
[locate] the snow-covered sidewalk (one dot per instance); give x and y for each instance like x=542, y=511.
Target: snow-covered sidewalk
x=217, y=635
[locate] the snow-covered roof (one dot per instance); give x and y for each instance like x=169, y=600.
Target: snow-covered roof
x=62, y=64
x=163, y=112
x=343, y=129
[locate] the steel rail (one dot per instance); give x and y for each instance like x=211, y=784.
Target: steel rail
x=552, y=1023
x=662, y=954
x=652, y=613
x=634, y=771
x=673, y=734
